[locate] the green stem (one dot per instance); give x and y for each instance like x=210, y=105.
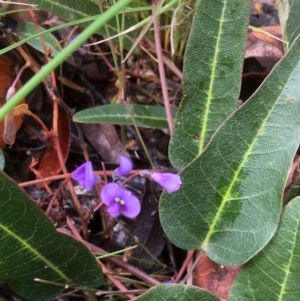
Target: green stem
x=164, y=9
x=63, y=55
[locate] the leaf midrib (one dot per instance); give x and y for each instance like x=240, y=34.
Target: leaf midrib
x=287, y=271
x=211, y=84
x=236, y=175
x=34, y=251
x=124, y=115
x=67, y=8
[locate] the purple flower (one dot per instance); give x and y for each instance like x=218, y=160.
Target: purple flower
x=124, y=168
x=170, y=182
x=84, y=174
x=119, y=201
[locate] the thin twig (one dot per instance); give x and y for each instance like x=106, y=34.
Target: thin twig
x=56, y=193
x=108, y=273
x=184, y=265
x=191, y=269
x=59, y=177
x=115, y=281
x=169, y=63
x=162, y=74
x=120, y=263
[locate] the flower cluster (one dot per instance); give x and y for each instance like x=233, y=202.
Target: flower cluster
x=117, y=199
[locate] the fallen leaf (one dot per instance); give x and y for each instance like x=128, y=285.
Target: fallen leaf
x=11, y=123
x=272, y=35
x=148, y=231
x=104, y=138
x=21, y=109
x=258, y=48
x=214, y=278
x=49, y=164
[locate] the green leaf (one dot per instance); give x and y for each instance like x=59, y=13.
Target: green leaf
x=144, y=116
x=174, y=292
x=27, y=29
x=288, y=12
x=212, y=69
x=70, y=10
x=230, y=200
x=31, y=248
x=274, y=273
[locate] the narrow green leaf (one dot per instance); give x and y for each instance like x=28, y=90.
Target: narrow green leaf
x=274, y=274
x=144, y=116
x=28, y=29
x=288, y=11
x=174, y=292
x=212, y=69
x=31, y=248
x=70, y=10
x=230, y=200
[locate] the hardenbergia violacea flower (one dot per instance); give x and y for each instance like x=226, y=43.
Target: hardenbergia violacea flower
x=120, y=200
x=168, y=181
x=124, y=168
x=84, y=174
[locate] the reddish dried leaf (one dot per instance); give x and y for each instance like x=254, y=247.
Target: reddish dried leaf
x=21, y=109
x=9, y=131
x=49, y=163
x=274, y=30
x=258, y=48
x=7, y=73
x=214, y=278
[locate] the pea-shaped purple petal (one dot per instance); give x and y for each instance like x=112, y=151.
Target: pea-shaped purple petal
x=110, y=192
x=114, y=209
x=125, y=166
x=170, y=182
x=120, y=200
x=132, y=206
x=84, y=174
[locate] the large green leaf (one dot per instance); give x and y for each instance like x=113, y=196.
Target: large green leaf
x=274, y=274
x=212, y=68
x=31, y=248
x=144, y=116
x=288, y=11
x=174, y=292
x=230, y=200
x=28, y=29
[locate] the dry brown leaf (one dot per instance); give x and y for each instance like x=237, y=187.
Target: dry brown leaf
x=49, y=164
x=21, y=109
x=11, y=123
x=275, y=31
x=214, y=278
